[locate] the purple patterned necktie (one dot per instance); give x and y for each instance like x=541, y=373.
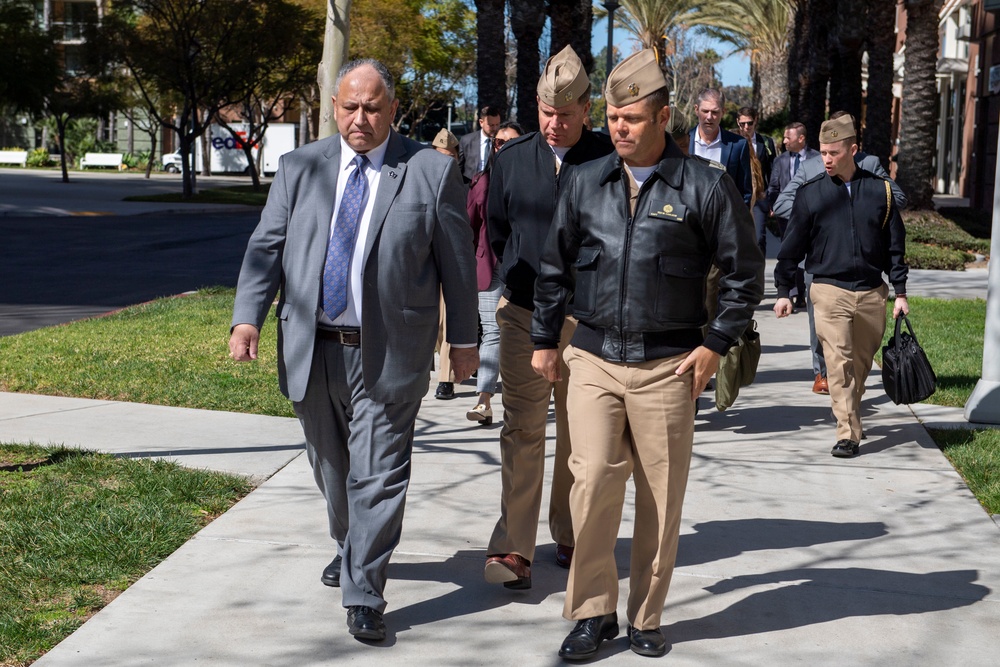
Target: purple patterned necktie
x=345, y=231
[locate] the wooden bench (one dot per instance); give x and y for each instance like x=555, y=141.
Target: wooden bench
x=14, y=157
x=102, y=160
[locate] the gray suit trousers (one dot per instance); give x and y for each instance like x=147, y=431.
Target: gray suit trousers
x=360, y=454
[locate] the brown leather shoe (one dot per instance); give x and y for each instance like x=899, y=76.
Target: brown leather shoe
x=564, y=555
x=511, y=570
x=821, y=385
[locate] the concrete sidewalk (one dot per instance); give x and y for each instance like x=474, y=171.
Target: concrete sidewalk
x=787, y=555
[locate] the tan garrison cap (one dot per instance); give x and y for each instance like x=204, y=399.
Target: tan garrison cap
x=837, y=130
x=563, y=80
x=634, y=78
x=445, y=140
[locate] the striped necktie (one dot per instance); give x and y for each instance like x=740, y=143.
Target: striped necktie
x=345, y=232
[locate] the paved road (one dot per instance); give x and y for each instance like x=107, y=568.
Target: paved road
x=57, y=269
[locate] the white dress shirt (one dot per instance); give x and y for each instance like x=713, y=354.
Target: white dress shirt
x=351, y=317
x=709, y=151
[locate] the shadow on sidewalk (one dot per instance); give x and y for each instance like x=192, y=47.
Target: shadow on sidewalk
x=809, y=596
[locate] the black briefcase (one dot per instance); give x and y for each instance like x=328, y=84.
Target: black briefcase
x=906, y=373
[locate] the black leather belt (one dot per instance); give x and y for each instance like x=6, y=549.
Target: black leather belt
x=349, y=337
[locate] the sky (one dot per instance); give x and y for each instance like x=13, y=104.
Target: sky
x=733, y=71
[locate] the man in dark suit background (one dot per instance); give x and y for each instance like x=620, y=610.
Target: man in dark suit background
x=783, y=169
x=763, y=148
x=361, y=234
x=474, y=148
x=710, y=141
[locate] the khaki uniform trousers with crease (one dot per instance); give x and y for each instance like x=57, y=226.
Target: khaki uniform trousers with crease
x=522, y=440
x=627, y=419
x=444, y=347
x=849, y=326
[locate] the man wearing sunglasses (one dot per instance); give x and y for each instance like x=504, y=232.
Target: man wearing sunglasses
x=763, y=148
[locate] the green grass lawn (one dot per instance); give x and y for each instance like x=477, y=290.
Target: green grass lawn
x=77, y=528
x=171, y=351
x=237, y=194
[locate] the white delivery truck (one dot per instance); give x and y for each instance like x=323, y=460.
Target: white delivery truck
x=227, y=153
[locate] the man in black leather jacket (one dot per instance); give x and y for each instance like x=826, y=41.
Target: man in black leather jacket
x=846, y=224
x=634, y=235
x=524, y=184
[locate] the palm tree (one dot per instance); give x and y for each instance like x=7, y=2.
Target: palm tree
x=845, y=66
x=918, y=123
x=650, y=21
x=880, y=42
x=760, y=29
x=491, y=54
x=809, y=64
x=527, y=17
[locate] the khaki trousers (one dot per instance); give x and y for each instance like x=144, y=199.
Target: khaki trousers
x=444, y=348
x=522, y=440
x=627, y=419
x=849, y=326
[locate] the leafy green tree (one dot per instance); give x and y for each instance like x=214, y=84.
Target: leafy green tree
x=277, y=67
x=428, y=45
x=31, y=67
x=195, y=50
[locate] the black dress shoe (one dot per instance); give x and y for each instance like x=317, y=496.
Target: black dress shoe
x=365, y=623
x=331, y=573
x=445, y=391
x=564, y=556
x=647, y=642
x=845, y=449
x=588, y=634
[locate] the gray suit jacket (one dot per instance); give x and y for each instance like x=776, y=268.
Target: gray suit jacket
x=418, y=244
x=813, y=167
x=781, y=172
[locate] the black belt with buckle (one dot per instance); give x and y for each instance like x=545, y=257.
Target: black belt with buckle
x=349, y=337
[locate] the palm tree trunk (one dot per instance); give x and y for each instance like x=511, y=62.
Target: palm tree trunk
x=490, y=55
x=571, y=22
x=809, y=64
x=527, y=17
x=845, y=71
x=918, y=124
x=773, y=78
x=881, y=43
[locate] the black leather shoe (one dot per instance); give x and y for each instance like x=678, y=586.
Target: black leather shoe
x=647, y=642
x=331, y=573
x=365, y=623
x=587, y=636
x=845, y=449
x=564, y=556
x=445, y=391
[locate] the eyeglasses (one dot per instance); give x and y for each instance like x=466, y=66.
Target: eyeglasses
x=497, y=143
x=748, y=123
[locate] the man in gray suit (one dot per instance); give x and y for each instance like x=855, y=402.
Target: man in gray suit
x=361, y=234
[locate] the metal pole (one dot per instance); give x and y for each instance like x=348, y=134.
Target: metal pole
x=610, y=7
x=983, y=405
